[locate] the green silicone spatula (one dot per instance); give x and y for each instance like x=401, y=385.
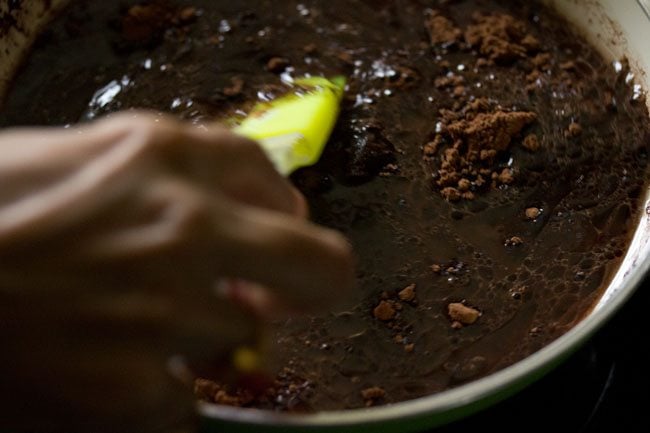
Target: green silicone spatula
x=294, y=128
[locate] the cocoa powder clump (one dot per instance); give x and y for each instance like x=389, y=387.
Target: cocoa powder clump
x=573, y=130
x=442, y=30
x=532, y=213
x=492, y=131
x=464, y=154
x=500, y=38
x=531, y=143
x=459, y=312
x=372, y=395
x=407, y=294
x=277, y=65
x=384, y=311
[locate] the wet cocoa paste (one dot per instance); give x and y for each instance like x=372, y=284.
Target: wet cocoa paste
x=487, y=167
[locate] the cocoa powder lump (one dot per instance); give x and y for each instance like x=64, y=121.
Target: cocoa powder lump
x=500, y=38
x=464, y=155
x=143, y=25
x=442, y=31
x=490, y=132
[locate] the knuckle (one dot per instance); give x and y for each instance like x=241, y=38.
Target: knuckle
x=146, y=129
x=186, y=212
x=145, y=126
x=193, y=218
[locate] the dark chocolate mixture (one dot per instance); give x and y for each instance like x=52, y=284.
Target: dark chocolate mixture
x=487, y=167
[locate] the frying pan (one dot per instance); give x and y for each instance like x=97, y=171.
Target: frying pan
x=618, y=29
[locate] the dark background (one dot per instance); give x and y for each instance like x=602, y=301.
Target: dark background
x=604, y=387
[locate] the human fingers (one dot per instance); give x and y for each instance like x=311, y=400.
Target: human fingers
x=306, y=267
x=213, y=156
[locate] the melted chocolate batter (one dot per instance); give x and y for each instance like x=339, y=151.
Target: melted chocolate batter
x=487, y=166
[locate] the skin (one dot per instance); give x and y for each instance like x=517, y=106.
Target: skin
x=131, y=240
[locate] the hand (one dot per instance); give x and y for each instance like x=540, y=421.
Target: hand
x=112, y=238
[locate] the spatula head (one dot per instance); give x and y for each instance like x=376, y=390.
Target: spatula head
x=294, y=129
